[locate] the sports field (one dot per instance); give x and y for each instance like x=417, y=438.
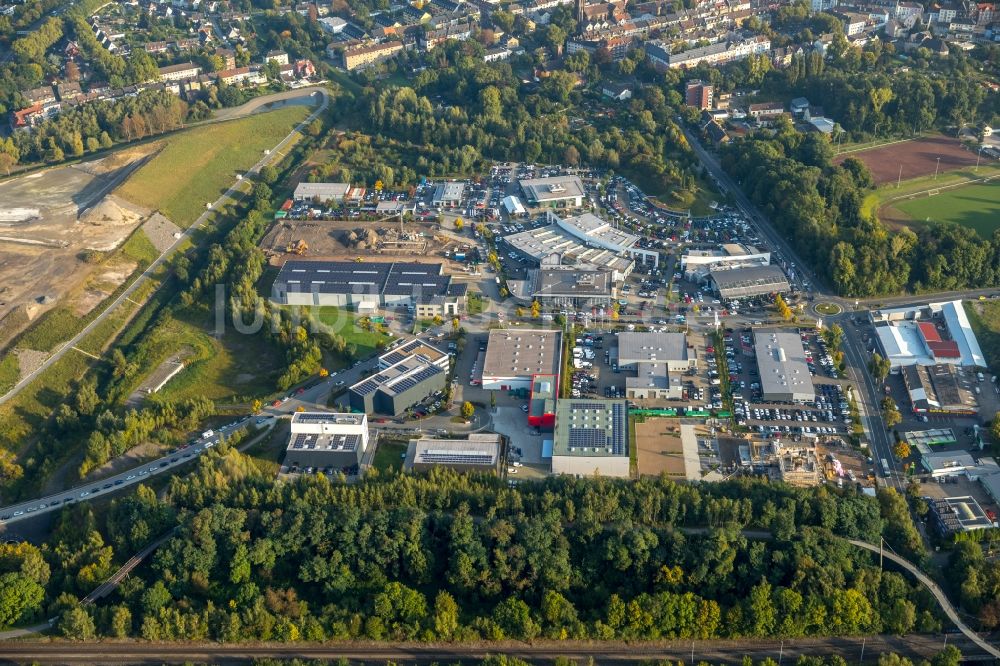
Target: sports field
x=195, y=167
x=975, y=206
x=912, y=159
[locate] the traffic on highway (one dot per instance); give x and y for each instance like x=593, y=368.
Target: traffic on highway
x=169, y=462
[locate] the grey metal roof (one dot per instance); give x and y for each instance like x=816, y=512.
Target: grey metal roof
x=781, y=360
x=641, y=347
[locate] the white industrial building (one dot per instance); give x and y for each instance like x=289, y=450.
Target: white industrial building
x=696, y=264
x=554, y=191
x=514, y=356
x=584, y=241
x=323, y=440
x=936, y=333
x=591, y=437
x=784, y=372
x=448, y=194
x=321, y=191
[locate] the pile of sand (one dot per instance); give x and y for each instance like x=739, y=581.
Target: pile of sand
x=112, y=211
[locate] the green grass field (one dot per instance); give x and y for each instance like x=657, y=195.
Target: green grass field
x=344, y=323
x=389, y=455
x=224, y=368
x=197, y=166
x=985, y=319
x=975, y=206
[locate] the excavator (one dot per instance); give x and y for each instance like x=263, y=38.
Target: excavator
x=299, y=247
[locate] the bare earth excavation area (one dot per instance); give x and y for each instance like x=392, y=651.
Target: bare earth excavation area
x=48, y=221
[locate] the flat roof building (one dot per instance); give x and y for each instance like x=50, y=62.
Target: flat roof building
x=585, y=242
x=554, y=191
x=566, y=286
x=784, y=372
x=515, y=356
x=945, y=463
x=958, y=514
x=448, y=194
x=479, y=453
x=749, y=281
x=368, y=285
x=939, y=388
x=328, y=441
x=414, y=348
x=321, y=191
x=591, y=437
x=542, y=405
x=696, y=264
x=929, y=334
x=659, y=361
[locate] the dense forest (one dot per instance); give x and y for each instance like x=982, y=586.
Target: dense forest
x=819, y=208
x=452, y=557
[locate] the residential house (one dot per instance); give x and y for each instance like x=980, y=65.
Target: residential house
x=698, y=94
x=617, y=91
x=280, y=57
x=184, y=70
x=365, y=56
x=765, y=110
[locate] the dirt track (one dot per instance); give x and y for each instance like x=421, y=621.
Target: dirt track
x=917, y=158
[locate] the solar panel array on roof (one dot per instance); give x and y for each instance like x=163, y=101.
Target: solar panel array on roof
x=367, y=387
x=347, y=277
x=407, y=383
x=618, y=419
x=456, y=457
x=588, y=438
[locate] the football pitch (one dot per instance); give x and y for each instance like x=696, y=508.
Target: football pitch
x=975, y=206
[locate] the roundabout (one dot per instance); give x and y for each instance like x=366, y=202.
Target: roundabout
x=828, y=309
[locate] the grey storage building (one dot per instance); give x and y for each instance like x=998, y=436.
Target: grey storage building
x=784, y=372
x=374, y=284
x=479, y=453
x=397, y=388
x=749, y=281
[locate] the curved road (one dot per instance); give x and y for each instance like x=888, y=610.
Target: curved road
x=938, y=593
x=233, y=192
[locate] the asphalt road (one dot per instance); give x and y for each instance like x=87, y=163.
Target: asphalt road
x=853, y=649
x=152, y=268
x=168, y=463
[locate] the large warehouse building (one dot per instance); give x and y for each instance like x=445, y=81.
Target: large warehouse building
x=697, y=264
x=563, y=286
x=514, y=356
x=479, y=453
x=659, y=361
x=591, y=437
x=937, y=333
x=555, y=191
x=784, y=373
x=326, y=440
x=586, y=242
x=369, y=285
x=749, y=281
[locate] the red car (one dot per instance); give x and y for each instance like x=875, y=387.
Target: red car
x=276, y=403
x=300, y=391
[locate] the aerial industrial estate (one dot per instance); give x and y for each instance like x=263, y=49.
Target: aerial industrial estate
x=472, y=323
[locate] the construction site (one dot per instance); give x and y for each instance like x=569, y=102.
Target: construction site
x=351, y=240
x=53, y=224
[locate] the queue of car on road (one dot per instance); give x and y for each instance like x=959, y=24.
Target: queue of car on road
x=175, y=457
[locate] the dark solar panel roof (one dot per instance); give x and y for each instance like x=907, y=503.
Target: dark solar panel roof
x=348, y=277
